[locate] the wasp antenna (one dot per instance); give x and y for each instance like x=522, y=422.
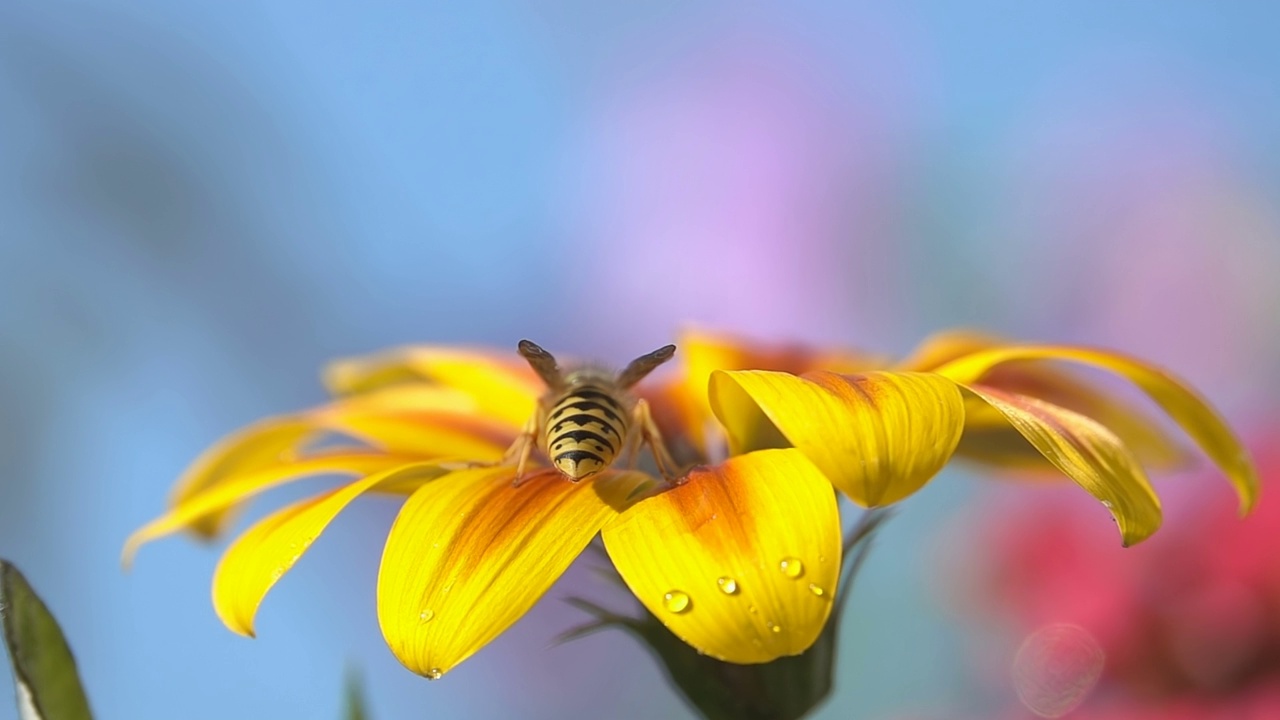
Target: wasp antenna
x=542, y=363
x=643, y=365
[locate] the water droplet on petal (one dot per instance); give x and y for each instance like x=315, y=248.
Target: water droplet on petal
x=728, y=585
x=791, y=567
x=775, y=627
x=817, y=589
x=426, y=616
x=435, y=674
x=752, y=609
x=676, y=601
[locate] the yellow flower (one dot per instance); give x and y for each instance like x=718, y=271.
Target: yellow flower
x=741, y=559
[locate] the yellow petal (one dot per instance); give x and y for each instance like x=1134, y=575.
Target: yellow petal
x=259, y=445
x=704, y=353
x=1191, y=412
x=266, y=443
x=988, y=437
x=266, y=551
x=502, y=388
x=1087, y=453
x=469, y=554
x=878, y=437
x=943, y=347
x=741, y=561
x=427, y=434
x=217, y=499
x=427, y=421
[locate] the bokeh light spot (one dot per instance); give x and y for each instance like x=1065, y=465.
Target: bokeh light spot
x=1056, y=668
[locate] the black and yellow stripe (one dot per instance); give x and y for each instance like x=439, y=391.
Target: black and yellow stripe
x=584, y=431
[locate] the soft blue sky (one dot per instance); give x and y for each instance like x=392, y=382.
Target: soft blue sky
x=202, y=204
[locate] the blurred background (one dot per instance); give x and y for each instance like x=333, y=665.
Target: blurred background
x=202, y=205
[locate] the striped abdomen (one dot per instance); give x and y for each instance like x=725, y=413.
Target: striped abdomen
x=584, y=432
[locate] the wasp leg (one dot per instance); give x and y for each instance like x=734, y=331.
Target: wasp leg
x=519, y=451
x=650, y=436
x=528, y=437
x=631, y=444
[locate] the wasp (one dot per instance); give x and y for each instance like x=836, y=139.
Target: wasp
x=589, y=417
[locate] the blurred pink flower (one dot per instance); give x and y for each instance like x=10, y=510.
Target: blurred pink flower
x=746, y=185
x=1190, y=627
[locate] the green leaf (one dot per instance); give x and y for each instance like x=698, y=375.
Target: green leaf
x=44, y=671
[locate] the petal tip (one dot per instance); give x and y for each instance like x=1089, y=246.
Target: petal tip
x=1130, y=536
x=130, y=551
x=242, y=626
x=1248, y=485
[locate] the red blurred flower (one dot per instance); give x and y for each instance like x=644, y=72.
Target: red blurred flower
x=1189, y=622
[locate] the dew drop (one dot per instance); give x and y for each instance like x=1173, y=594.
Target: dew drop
x=774, y=627
x=817, y=589
x=676, y=601
x=752, y=609
x=426, y=615
x=791, y=567
x=728, y=585
x=435, y=674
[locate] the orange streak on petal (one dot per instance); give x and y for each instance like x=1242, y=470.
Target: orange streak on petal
x=730, y=560
x=469, y=554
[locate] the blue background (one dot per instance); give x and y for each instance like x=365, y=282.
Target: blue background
x=200, y=205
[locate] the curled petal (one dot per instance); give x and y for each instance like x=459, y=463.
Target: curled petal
x=942, y=347
x=1182, y=404
x=1089, y=454
x=988, y=438
x=216, y=500
x=741, y=561
x=503, y=389
x=265, y=552
x=878, y=437
x=469, y=554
